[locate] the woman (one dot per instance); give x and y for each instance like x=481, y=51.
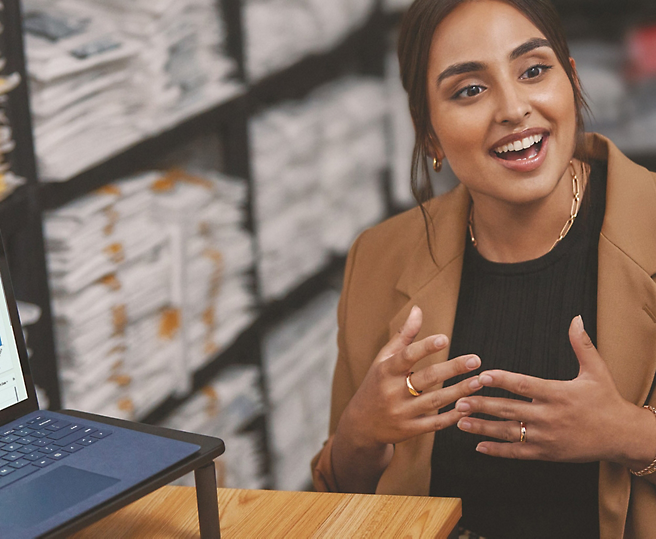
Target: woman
x=537, y=429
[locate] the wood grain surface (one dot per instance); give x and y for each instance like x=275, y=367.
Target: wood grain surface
x=170, y=512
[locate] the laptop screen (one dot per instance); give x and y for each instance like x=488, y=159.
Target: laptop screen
x=12, y=383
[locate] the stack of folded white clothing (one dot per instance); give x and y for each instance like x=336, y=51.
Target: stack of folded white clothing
x=8, y=180
x=82, y=98
x=181, y=68
x=317, y=170
x=353, y=156
x=299, y=358
x=280, y=32
x=204, y=214
x=107, y=74
x=224, y=409
x=116, y=317
x=149, y=282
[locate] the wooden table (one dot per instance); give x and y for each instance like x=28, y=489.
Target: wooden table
x=170, y=512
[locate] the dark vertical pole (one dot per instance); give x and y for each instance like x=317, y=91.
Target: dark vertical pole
x=208, y=503
x=28, y=249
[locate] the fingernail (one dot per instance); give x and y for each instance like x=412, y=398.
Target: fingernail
x=475, y=384
x=463, y=424
x=473, y=362
x=579, y=324
x=481, y=448
x=462, y=406
x=413, y=310
x=440, y=340
x=485, y=379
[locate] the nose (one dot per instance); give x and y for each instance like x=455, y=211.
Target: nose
x=513, y=106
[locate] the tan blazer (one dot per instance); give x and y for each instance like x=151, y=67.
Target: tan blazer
x=389, y=270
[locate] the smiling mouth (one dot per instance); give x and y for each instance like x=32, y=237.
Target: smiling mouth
x=527, y=148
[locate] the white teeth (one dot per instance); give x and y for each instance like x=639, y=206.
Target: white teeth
x=519, y=144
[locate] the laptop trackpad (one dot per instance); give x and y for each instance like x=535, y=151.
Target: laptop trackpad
x=36, y=500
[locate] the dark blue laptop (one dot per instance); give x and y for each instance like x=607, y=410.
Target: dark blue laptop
x=54, y=467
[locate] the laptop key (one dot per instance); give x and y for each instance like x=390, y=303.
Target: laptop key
x=16, y=475
x=26, y=440
x=33, y=456
x=58, y=425
x=5, y=470
x=19, y=463
x=67, y=440
x=61, y=433
x=101, y=433
x=72, y=448
x=6, y=433
x=48, y=449
x=12, y=447
x=42, y=463
x=12, y=456
x=38, y=434
x=35, y=420
x=9, y=439
x=27, y=449
x=22, y=432
x=45, y=422
x=85, y=441
x=58, y=455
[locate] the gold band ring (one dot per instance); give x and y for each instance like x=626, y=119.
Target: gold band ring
x=414, y=392
x=522, y=432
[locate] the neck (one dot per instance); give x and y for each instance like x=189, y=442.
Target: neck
x=510, y=233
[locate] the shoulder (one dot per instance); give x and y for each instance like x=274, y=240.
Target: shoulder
x=395, y=240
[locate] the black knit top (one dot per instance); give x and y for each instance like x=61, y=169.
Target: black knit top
x=516, y=317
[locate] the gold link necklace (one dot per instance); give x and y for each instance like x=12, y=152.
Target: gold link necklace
x=576, y=206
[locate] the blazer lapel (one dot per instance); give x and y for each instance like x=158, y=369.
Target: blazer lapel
x=626, y=306
x=434, y=287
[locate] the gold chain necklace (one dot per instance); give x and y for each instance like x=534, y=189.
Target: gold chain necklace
x=576, y=206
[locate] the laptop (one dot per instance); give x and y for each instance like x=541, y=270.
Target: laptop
x=54, y=467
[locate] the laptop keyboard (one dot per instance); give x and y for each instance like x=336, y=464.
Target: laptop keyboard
x=40, y=442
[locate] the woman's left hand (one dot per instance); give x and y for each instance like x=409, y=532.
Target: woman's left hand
x=580, y=420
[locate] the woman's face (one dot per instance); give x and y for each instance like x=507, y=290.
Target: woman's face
x=501, y=104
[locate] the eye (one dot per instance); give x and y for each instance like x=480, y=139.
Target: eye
x=535, y=71
x=469, y=91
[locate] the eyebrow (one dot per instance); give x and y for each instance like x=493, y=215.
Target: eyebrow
x=470, y=67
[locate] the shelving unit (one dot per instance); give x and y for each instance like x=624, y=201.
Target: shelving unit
x=363, y=52
x=21, y=214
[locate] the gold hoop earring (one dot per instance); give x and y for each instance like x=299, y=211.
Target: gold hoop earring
x=437, y=164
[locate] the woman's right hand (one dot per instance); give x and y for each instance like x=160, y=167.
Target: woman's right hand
x=383, y=412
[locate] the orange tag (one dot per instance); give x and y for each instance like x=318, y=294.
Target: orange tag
x=115, y=252
x=120, y=319
x=111, y=281
x=169, y=323
x=125, y=405
x=109, y=190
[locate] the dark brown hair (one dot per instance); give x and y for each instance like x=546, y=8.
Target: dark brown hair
x=415, y=38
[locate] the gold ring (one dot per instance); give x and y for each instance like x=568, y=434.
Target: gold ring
x=522, y=432
x=414, y=392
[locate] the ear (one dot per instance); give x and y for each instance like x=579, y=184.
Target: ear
x=433, y=147
x=577, y=81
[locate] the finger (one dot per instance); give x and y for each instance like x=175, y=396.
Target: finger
x=406, y=334
x=435, y=374
x=435, y=422
x=508, y=431
x=497, y=407
x=403, y=361
x=587, y=354
x=435, y=400
x=519, y=384
x=516, y=450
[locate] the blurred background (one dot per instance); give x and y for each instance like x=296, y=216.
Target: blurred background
x=181, y=181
